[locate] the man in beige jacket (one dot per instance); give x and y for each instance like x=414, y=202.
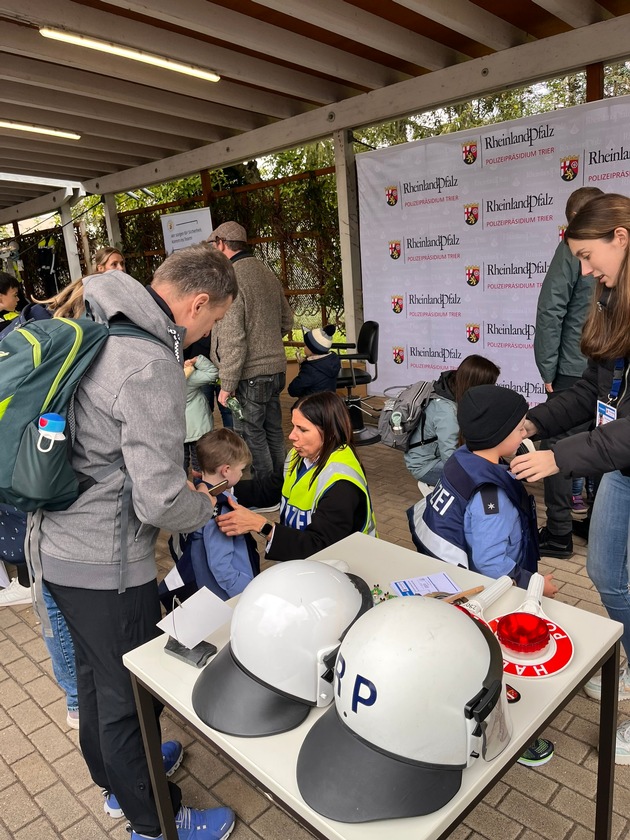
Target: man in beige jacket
x=248, y=350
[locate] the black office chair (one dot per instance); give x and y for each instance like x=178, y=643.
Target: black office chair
x=350, y=377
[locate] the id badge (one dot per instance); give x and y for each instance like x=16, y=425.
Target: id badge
x=605, y=413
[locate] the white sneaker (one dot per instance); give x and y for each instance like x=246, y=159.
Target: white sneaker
x=593, y=687
x=424, y=488
x=622, y=747
x=15, y=593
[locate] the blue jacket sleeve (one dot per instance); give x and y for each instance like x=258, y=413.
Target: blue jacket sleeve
x=302, y=382
x=494, y=539
x=223, y=560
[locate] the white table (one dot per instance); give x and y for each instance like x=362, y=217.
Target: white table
x=271, y=761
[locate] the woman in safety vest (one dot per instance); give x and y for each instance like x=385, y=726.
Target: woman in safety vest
x=325, y=496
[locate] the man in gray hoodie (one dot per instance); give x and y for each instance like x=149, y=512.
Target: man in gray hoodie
x=98, y=556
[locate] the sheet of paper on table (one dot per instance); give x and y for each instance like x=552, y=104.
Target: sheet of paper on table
x=198, y=617
x=439, y=582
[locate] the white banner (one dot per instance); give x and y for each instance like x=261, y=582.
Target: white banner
x=457, y=233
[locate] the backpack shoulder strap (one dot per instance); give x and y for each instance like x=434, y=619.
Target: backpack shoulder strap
x=130, y=330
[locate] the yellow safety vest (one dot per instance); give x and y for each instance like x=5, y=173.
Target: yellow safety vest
x=300, y=497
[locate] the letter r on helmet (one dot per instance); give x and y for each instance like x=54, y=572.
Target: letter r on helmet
x=340, y=670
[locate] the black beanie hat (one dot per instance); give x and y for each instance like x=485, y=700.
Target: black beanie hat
x=487, y=414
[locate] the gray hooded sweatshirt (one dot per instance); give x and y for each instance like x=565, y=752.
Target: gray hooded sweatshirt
x=130, y=404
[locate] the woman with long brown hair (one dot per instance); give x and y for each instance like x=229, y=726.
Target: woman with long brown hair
x=599, y=236
x=108, y=259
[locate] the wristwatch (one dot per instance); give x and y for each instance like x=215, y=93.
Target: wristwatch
x=266, y=529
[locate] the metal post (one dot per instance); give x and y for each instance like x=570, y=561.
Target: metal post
x=70, y=241
x=111, y=220
x=348, y=210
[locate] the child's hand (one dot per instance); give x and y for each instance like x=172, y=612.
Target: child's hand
x=550, y=589
x=299, y=357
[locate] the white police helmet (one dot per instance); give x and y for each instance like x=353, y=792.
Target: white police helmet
x=284, y=637
x=418, y=696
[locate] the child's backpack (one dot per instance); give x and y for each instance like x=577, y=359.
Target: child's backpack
x=41, y=365
x=401, y=415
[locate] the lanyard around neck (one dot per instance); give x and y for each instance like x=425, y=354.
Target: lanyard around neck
x=617, y=377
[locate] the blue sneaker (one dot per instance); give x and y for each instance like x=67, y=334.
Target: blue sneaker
x=110, y=805
x=172, y=756
x=211, y=824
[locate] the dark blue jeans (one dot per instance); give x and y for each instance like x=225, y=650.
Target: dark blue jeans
x=61, y=652
x=212, y=391
x=261, y=427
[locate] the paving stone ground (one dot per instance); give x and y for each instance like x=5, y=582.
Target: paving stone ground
x=46, y=792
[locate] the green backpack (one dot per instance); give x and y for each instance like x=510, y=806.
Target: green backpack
x=41, y=365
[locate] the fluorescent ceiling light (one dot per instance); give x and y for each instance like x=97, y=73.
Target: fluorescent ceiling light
x=128, y=52
x=40, y=129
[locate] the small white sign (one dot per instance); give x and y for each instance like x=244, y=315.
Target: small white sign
x=186, y=228
x=195, y=619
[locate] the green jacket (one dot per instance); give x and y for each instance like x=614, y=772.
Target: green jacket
x=563, y=305
x=198, y=417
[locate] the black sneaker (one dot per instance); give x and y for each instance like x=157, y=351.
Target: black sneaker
x=540, y=752
x=555, y=545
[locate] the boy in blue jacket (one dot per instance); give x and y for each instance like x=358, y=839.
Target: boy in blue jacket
x=207, y=557
x=225, y=565
x=479, y=516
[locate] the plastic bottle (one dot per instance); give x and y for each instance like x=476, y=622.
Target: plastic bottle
x=235, y=407
x=51, y=429
x=396, y=421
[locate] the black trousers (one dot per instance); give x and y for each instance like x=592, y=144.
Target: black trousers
x=104, y=625
x=557, y=488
